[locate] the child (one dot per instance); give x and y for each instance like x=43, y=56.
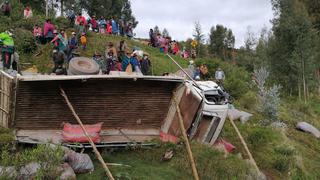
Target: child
x=83, y=40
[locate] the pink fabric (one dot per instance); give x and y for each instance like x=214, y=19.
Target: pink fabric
x=227, y=146
x=37, y=31
x=47, y=27
x=164, y=137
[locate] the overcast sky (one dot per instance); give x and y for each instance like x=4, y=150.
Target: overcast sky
x=178, y=16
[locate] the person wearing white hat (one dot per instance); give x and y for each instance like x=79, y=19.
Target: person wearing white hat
x=191, y=68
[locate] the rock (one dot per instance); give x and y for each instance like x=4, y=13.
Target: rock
x=67, y=173
x=306, y=127
x=9, y=172
x=80, y=163
x=29, y=171
x=280, y=125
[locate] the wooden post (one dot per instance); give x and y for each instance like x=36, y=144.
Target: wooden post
x=245, y=146
x=185, y=137
x=104, y=165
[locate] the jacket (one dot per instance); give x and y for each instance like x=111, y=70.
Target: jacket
x=37, y=32
x=6, y=39
x=83, y=40
x=48, y=27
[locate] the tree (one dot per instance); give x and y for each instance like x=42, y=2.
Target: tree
x=292, y=47
x=199, y=37
x=221, y=42
x=165, y=33
x=156, y=30
x=250, y=41
x=107, y=8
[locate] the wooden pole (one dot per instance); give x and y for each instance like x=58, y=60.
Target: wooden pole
x=245, y=146
x=185, y=137
x=104, y=165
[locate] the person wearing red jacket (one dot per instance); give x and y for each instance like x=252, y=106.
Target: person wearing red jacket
x=94, y=24
x=82, y=19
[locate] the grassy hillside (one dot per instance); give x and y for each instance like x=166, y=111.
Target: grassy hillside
x=280, y=153
x=97, y=42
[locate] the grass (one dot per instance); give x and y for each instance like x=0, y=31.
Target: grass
x=147, y=164
x=280, y=154
x=97, y=42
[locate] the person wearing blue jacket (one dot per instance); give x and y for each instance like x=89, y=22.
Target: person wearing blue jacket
x=115, y=28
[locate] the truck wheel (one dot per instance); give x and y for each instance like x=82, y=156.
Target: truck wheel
x=83, y=66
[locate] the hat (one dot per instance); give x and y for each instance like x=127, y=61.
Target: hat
x=83, y=34
x=55, y=31
x=9, y=32
x=191, y=62
x=73, y=33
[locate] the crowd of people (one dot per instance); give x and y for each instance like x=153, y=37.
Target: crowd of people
x=167, y=45
x=120, y=58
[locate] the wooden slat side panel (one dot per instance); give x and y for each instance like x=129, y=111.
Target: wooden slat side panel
x=5, y=99
x=117, y=103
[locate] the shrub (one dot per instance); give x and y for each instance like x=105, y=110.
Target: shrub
x=61, y=22
x=269, y=99
x=24, y=41
x=248, y=100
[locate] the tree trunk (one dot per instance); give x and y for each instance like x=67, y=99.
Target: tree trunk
x=304, y=82
x=62, y=7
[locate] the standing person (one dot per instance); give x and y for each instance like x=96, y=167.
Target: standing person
x=151, y=36
x=121, y=49
x=129, y=30
x=114, y=24
x=80, y=30
x=6, y=8
x=126, y=61
x=109, y=27
x=145, y=64
x=111, y=62
x=72, y=45
x=100, y=61
x=110, y=47
x=27, y=12
x=48, y=30
x=71, y=16
x=191, y=68
x=7, y=49
x=37, y=33
x=58, y=60
x=60, y=41
x=94, y=24
x=102, y=25
x=83, y=41
x=219, y=76
x=122, y=25
x=80, y=19
x=134, y=61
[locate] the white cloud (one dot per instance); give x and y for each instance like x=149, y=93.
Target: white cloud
x=178, y=16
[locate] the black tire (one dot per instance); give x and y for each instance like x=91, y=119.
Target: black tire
x=83, y=66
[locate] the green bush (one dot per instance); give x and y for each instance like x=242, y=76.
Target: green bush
x=24, y=41
x=248, y=100
x=61, y=22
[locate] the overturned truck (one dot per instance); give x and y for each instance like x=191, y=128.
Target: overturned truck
x=131, y=108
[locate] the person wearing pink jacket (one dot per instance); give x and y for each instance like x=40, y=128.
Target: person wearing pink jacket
x=37, y=32
x=48, y=30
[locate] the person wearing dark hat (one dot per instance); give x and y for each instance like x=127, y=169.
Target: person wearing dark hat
x=97, y=57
